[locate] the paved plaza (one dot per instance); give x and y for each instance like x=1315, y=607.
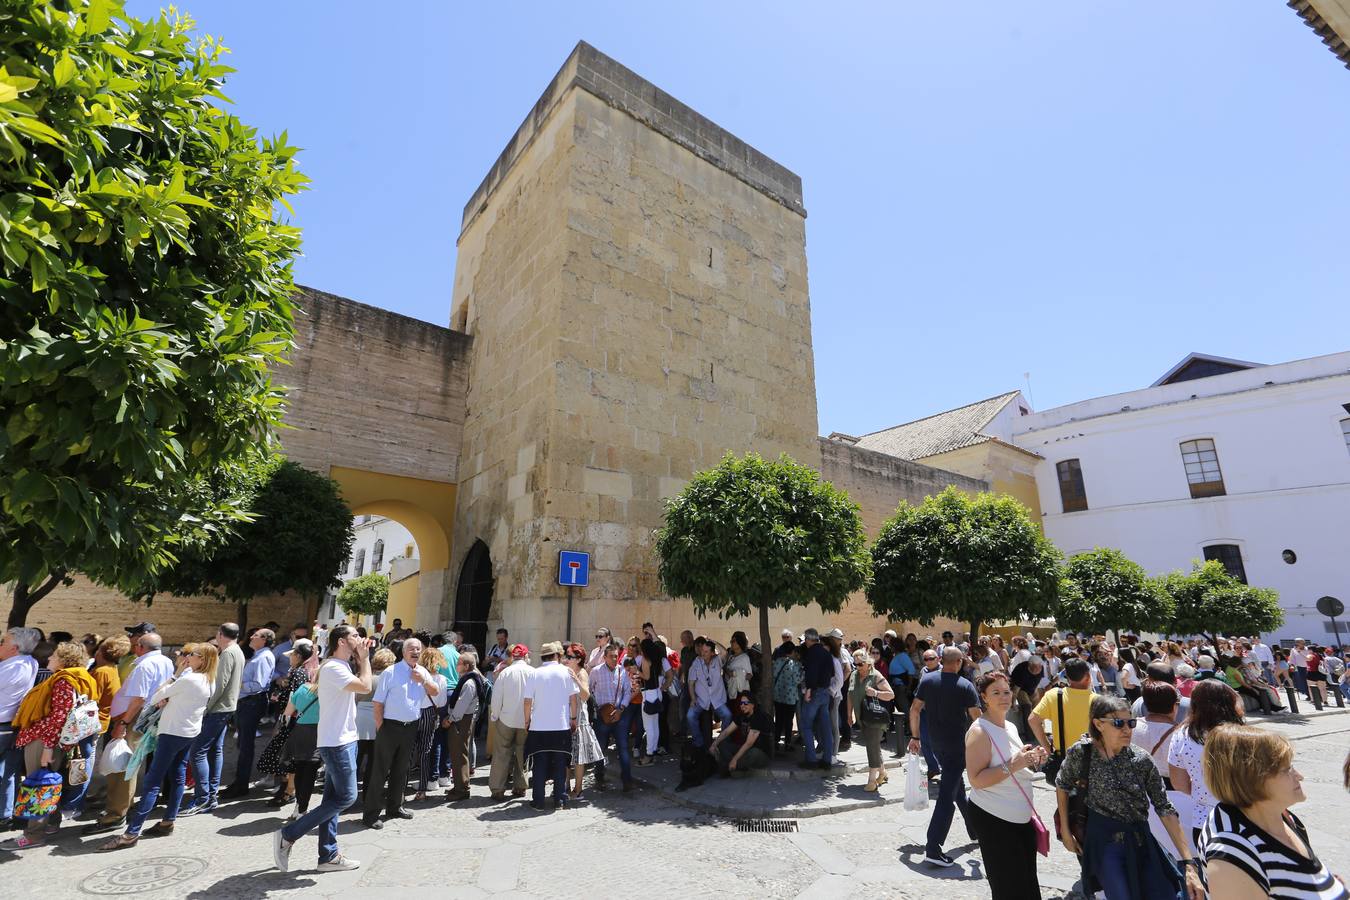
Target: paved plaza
x=652, y=836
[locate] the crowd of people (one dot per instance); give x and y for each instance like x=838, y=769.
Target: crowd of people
x=1160, y=779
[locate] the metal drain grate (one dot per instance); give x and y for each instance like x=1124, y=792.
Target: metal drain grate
x=767, y=826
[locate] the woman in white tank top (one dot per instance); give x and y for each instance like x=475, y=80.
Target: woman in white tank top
x=1000, y=810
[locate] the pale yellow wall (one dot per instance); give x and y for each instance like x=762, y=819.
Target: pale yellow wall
x=1007, y=470
x=403, y=603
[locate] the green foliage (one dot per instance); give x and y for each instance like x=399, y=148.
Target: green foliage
x=145, y=283
x=367, y=595
x=1211, y=601
x=752, y=533
x=975, y=560
x=1111, y=591
x=298, y=540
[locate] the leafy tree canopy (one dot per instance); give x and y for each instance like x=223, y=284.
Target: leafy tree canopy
x=1211, y=601
x=367, y=595
x=299, y=537
x=974, y=559
x=757, y=535
x=1111, y=591
x=145, y=284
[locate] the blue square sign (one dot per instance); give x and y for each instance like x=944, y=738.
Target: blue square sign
x=574, y=568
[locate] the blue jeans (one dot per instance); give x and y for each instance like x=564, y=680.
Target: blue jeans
x=246, y=719
x=926, y=743
x=951, y=794
x=814, y=725
x=171, y=754
x=72, y=795
x=691, y=719
x=1300, y=679
x=11, y=764
x=339, y=792
x=208, y=757
x=619, y=733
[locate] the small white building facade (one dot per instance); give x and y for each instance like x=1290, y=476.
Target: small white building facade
x=378, y=545
x=1219, y=459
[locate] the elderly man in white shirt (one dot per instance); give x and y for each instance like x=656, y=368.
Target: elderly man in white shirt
x=506, y=718
x=18, y=672
x=551, y=710
x=404, y=690
x=708, y=692
x=150, y=670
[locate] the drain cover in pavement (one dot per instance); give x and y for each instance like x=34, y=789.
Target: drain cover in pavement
x=767, y=825
x=135, y=877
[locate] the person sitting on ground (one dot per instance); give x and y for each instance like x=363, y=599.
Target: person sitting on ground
x=746, y=742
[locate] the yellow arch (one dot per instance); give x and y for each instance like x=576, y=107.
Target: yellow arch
x=425, y=508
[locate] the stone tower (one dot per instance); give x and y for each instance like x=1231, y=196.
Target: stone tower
x=634, y=281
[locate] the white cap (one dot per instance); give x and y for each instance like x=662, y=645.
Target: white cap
x=890, y=632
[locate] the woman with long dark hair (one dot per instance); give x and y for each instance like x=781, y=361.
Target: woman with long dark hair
x=1213, y=703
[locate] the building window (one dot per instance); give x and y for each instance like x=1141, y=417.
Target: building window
x=408, y=552
x=1202, y=468
x=1345, y=432
x=377, y=556
x=1231, y=557
x=360, y=562
x=347, y=566
x=1071, y=492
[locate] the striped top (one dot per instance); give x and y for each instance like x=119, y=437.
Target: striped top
x=1280, y=871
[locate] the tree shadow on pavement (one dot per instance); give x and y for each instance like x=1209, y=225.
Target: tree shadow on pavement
x=258, y=883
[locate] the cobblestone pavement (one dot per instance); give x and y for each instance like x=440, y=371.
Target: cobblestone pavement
x=484, y=849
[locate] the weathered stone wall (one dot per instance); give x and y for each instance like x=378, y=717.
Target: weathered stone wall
x=85, y=606
x=371, y=389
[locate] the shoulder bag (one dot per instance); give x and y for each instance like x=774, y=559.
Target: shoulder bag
x=1078, y=809
x=1056, y=758
x=874, y=710
x=1042, y=833
x=610, y=713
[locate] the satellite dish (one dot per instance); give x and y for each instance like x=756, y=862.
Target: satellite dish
x=1330, y=607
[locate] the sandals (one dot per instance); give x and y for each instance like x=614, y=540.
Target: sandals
x=883, y=779
x=22, y=842
x=121, y=842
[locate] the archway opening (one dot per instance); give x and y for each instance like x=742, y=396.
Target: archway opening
x=473, y=597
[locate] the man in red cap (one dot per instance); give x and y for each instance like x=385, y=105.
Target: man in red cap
x=507, y=721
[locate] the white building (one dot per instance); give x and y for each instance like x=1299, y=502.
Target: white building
x=1218, y=459
x=379, y=545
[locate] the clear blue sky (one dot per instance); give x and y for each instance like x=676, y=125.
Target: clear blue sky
x=1084, y=191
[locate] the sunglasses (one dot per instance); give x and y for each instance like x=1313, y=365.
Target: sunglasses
x=1123, y=723
x=574, y=656
x=747, y=703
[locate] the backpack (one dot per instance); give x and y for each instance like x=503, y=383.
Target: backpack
x=81, y=722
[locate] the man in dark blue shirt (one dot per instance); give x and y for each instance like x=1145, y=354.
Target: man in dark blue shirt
x=817, y=670
x=951, y=704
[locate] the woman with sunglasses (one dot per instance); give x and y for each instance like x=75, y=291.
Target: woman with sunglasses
x=585, y=746
x=868, y=683
x=182, y=701
x=1118, y=783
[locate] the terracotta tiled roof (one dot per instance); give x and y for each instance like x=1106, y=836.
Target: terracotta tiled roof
x=950, y=430
x=1339, y=43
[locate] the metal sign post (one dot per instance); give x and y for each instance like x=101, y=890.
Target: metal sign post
x=574, y=571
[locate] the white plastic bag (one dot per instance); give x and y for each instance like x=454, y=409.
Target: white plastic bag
x=916, y=786
x=114, y=758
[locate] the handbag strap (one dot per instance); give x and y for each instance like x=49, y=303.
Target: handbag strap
x=1003, y=762
x=1165, y=736
x=311, y=703
x=1059, y=726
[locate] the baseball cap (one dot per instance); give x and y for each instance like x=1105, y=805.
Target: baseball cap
x=836, y=633
x=140, y=628
x=890, y=632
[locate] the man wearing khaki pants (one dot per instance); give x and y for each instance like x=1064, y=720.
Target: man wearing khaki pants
x=150, y=670
x=507, y=724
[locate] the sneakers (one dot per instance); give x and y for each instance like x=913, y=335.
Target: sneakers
x=281, y=851
x=196, y=808
x=939, y=859
x=443, y=782
x=339, y=863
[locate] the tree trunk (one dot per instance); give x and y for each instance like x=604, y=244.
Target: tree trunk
x=25, y=598
x=975, y=630
x=241, y=617
x=765, y=663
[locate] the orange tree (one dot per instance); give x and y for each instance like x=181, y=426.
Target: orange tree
x=752, y=535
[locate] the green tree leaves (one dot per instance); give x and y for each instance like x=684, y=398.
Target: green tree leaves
x=1109, y=591
x=976, y=560
x=145, y=283
x=367, y=595
x=1210, y=601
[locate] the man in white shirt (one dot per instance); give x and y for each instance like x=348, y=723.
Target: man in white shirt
x=611, y=688
x=1298, y=665
x=150, y=670
x=18, y=672
x=506, y=715
x=551, y=710
x=1265, y=657
x=497, y=653
x=840, y=719
x=337, y=687
x=404, y=690
x=707, y=690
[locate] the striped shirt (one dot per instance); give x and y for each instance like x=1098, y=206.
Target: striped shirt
x=1278, y=870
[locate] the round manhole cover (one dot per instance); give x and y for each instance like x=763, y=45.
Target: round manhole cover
x=143, y=875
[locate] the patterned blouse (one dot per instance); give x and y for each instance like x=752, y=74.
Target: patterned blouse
x=1121, y=787
x=787, y=681
x=48, y=728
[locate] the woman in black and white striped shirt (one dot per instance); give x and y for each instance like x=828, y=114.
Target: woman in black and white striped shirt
x=1254, y=847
